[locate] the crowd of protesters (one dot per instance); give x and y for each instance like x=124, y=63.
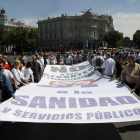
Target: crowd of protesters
x=125, y=65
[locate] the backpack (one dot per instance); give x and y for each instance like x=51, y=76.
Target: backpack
x=98, y=61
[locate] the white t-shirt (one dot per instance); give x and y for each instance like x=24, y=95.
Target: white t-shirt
x=26, y=73
x=102, y=60
x=17, y=75
x=41, y=60
x=52, y=59
x=9, y=75
x=109, y=65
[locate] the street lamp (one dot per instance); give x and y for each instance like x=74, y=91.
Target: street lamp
x=86, y=11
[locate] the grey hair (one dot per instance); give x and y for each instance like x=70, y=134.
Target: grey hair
x=108, y=55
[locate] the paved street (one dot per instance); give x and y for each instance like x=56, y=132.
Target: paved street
x=36, y=131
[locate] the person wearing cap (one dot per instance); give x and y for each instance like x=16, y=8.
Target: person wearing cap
x=68, y=60
x=131, y=73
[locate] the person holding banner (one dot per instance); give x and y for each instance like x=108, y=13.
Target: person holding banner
x=36, y=70
x=68, y=60
x=17, y=74
x=108, y=66
x=5, y=86
x=98, y=61
x=131, y=72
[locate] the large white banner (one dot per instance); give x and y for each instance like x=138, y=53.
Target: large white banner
x=72, y=94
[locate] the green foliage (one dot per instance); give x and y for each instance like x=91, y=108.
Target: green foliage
x=113, y=38
x=21, y=37
x=2, y=33
x=136, y=38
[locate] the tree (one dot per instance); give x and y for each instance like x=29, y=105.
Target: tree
x=33, y=38
x=2, y=33
x=19, y=37
x=136, y=38
x=113, y=38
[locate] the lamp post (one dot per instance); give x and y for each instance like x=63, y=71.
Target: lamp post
x=86, y=11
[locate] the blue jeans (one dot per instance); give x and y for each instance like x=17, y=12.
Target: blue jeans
x=36, y=78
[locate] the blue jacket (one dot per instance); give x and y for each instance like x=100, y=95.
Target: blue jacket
x=5, y=85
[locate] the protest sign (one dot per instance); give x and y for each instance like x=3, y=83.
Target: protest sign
x=72, y=94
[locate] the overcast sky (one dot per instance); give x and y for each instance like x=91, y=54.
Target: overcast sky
x=125, y=13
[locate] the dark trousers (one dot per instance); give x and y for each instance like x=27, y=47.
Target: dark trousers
x=36, y=78
x=100, y=70
x=131, y=86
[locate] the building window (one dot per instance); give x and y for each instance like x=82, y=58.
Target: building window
x=93, y=34
x=46, y=27
x=55, y=44
x=70, y=24
x=40, y=27
x=54, y=25
x=88, y=33
x=41, y=36
x=80, y=23
x=50, y=35
x=61, y=24
x=70, y=34
x=88, y=23
x=80, y=33
x=54, y=35
x=50, y=26
x=61, y=34
x=101, y=26
x=100, y=36
x=50, y=45
x=46, y=36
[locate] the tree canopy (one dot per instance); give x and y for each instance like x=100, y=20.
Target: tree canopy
x=136, y=38
x=113, y=38
x=22, y=38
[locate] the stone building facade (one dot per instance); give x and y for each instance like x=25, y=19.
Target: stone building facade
x=74, y=32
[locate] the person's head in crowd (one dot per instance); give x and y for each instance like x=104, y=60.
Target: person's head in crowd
x=92, y=57
x=78, y=52
x=117, y=53
x=16, y=58
x=37, y=58
x=51, y=54
x=67, y=53
x=29, y=64
x=34, y=58
x=16, y=64
x=1, y=66
x=137, y=52
x=23, y=53
x=4, y=60
x=121, y=56
x=98, y=53
x=41, y=54
x=0, y=56
x=132, y=59
x=5, y=57
x=108, y=55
